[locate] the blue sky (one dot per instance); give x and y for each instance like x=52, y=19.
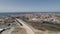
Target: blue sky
x=29, y=5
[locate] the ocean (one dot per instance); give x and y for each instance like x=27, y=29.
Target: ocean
x=13, y=13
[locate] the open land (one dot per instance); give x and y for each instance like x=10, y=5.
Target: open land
x=35, y=23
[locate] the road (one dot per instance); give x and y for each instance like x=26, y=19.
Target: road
x=26, y=27
x=8, y=31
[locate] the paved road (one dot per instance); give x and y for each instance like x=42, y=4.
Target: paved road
x=25, y=26
x=8, y=31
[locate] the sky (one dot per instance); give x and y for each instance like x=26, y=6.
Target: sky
x=29, y=5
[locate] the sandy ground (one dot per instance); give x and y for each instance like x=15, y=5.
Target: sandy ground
x=19, y=31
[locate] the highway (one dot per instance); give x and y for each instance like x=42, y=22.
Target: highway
x=8, y=31
x=25, y=26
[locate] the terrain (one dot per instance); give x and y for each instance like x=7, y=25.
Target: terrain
x=35, y=23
